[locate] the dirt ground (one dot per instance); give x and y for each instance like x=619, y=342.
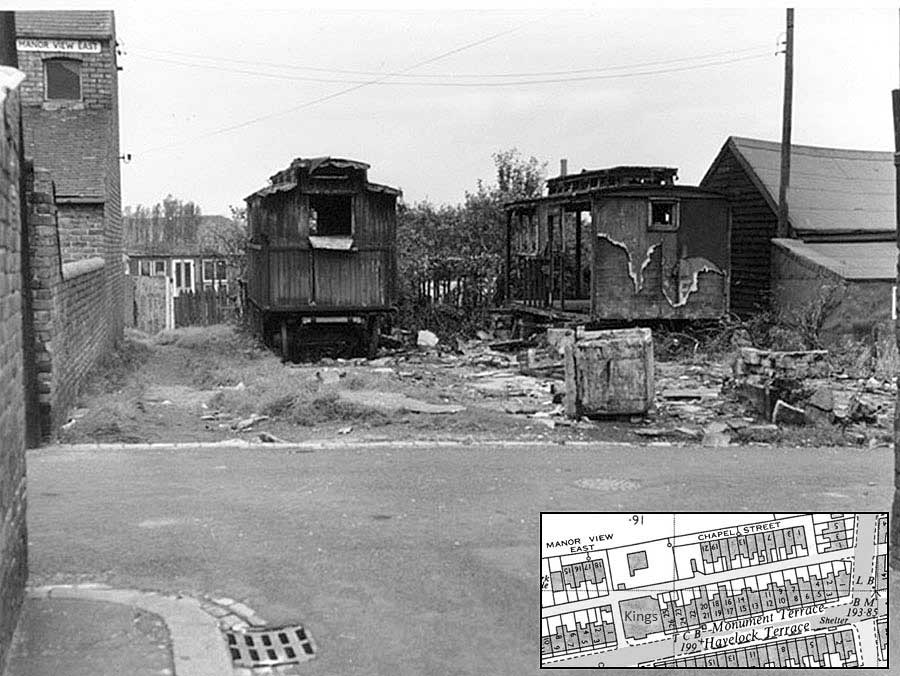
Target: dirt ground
x=215, y=383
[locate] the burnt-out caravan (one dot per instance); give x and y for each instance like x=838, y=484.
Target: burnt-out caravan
x=322, y=268
x=620, y=245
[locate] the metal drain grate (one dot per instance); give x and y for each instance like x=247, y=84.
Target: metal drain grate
x=609, y=485
x=258, y=647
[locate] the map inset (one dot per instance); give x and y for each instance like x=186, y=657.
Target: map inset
x=714, y=590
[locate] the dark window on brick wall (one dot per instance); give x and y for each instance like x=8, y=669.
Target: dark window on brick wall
x=62, y=79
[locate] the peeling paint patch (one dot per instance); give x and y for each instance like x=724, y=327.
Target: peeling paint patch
x=637, y=278
x=700, y=265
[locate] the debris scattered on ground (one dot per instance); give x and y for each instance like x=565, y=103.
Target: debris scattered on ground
x=785, y=414
x=493, y=383
x=267, y=438
x=426, y=339
x=395, y=402
x=247, y=423
x=330, y=376
x=716, y=434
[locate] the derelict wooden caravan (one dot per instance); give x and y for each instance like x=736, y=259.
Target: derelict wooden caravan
x=620, y=245
x=322, y=266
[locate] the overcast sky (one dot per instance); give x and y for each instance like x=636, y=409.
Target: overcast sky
x=189, y=73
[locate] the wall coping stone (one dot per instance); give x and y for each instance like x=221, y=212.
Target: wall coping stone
x=83, y=267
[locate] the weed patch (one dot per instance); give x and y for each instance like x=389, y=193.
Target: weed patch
x=115, y=368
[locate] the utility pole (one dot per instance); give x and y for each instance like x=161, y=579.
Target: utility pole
x=783, y=229
x=895, y=507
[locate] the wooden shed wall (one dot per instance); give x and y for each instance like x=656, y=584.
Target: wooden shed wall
x=753, y=225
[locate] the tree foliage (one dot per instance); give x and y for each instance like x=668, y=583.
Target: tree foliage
x=465, y=240
x=171, y=220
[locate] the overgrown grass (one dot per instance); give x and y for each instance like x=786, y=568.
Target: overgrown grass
x=321, y=407
x=115, y=368
x=299, y=396
x=219, y=338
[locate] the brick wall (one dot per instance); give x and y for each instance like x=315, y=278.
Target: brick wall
x=97, y=75
x=13, y=564
x=83, y=298
x=81, y=231
x=46, y=279
x=113, y=206
x=75, y=308
x=78, y=141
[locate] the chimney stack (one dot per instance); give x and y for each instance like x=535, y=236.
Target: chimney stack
x=563, y=167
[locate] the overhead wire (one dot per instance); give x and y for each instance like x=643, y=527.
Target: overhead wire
x=391, y=78
x=450, y=75
x=346, y=90
x=508, y=83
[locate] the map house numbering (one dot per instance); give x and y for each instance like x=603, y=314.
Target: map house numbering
x=718, y=590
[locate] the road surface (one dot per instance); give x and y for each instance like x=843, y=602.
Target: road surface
x=412, y=560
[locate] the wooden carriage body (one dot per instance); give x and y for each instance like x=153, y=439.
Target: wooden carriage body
x=620, y=245
x=322, y=246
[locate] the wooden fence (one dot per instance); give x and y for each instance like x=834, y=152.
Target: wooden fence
x=202, y=308
x=462, y=283
x=149, y=303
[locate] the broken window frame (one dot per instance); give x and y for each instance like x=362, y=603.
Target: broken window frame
x=654, y=226
x=72, y=66
x=314, y=225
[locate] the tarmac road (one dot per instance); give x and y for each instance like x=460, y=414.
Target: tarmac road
x=398, y=560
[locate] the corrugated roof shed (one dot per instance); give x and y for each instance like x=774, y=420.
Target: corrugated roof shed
x=832, y=191
x=65, y=24
x=73, y=145
x=854, y=261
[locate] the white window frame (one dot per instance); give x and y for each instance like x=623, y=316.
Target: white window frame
x=215, y=282
x=181, y=287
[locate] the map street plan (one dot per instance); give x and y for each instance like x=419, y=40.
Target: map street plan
x=713, y=590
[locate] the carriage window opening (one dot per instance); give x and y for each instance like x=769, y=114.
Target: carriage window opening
x=663, y=215
x=331, y=215
x=63, y=79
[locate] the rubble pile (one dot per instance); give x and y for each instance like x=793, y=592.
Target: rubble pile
x=775, y=381
x=757, y=398
x=798, y=388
